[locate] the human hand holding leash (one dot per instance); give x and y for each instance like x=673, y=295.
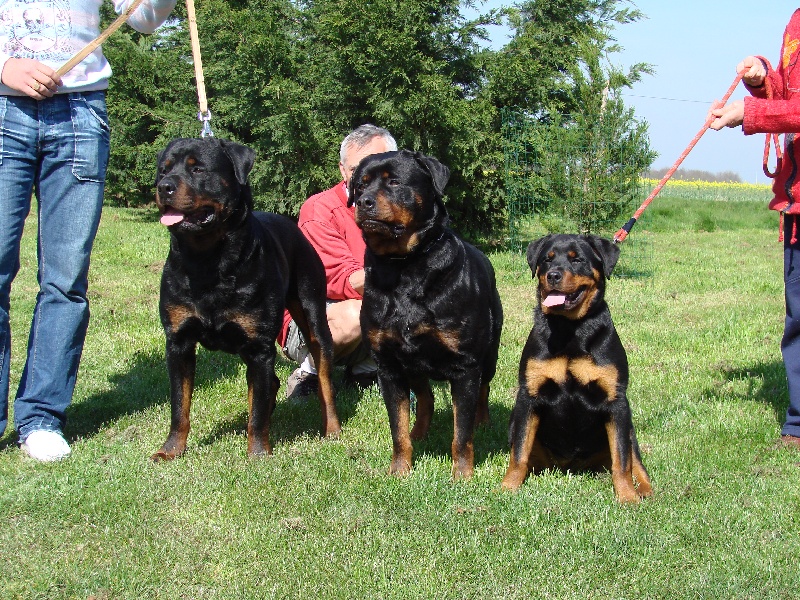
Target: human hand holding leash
x=31, y=77
x=730, y=115
x=752, y=70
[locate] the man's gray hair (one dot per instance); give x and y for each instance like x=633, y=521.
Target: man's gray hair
x=362, y=136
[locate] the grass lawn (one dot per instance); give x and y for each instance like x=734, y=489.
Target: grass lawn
x=321, y=519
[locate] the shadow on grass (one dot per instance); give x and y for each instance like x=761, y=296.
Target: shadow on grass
x=765, y=383
x=291, y=419
x=146, y=384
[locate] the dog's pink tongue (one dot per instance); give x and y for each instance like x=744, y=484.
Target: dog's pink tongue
x=554, y=300
x=171, y=217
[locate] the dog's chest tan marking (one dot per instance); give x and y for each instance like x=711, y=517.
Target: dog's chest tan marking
x=411, y=334
x=582, y=370
x=179, y=314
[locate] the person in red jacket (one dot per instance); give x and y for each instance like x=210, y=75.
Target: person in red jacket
x=774, y=107
x=329, y=224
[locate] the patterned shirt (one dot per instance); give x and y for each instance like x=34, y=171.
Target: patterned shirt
x=53, y=31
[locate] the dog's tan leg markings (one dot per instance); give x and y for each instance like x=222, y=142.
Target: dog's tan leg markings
x=175, y=444
x=521, y=452
x=257, y=438
x=621, y=472
x=327, y=401
x=422, y=391
x=482, y=410
x=586, y=371
x=462, y=449
x=331, y=427
x=644, y=486
x=401, y=439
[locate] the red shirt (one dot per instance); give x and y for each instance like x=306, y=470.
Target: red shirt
x=330, y=226
x=781, y=114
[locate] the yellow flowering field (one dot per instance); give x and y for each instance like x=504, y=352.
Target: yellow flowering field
x=708, y=190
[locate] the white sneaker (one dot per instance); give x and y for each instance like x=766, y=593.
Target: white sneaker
x=46, y=446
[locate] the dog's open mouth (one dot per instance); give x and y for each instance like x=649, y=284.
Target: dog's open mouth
x=557, y=299
x=200, y=217
x=382, y=227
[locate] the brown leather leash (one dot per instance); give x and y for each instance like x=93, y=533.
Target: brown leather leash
x=204, y=116
x=95, y=43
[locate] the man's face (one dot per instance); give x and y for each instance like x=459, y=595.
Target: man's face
x=354, y=155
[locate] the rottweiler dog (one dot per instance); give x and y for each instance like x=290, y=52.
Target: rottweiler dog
x=431, y=309
x=229, y=274
x=571, y=410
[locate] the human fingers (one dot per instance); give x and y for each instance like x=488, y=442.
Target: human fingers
x=30, y=77
x=752, y=71
x=731, y=115
x=712, y=118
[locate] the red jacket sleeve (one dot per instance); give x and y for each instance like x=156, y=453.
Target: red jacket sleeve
x=330, y=226
x=781, y=114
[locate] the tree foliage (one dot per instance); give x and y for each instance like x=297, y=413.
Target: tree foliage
x=291, y=78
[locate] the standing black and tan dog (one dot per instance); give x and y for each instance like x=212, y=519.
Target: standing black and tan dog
x=431, y=308
x=572, y=411
x=228, y=276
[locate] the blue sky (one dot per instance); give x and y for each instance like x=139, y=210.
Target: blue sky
x=694, y=47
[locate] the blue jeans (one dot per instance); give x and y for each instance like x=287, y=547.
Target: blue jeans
x=790, y=345
x=58, y=149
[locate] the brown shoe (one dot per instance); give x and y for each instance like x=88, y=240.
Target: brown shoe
x=791, y=440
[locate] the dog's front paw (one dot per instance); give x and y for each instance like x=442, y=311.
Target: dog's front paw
x=163, y=456
x=400, y=466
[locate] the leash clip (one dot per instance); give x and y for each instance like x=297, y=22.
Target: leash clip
x=205, y=119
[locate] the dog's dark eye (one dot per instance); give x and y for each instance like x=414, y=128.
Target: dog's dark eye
x=394, y=182
x=197, y=169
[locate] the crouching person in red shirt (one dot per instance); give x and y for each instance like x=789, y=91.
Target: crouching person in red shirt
x=329, y=224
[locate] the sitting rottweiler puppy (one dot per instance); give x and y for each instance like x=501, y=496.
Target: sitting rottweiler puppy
x=431, y=308
x=228, y=276
x=571, y=410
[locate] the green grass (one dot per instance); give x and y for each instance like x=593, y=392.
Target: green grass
x=321, y=519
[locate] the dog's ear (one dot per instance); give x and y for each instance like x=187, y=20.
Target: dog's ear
x=534, y=250
x=606, y=250
x=439, y=173
x=241, y=157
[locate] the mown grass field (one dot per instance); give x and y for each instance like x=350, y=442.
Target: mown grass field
x=321, y=519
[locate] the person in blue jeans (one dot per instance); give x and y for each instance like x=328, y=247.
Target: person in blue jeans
x=54, y=145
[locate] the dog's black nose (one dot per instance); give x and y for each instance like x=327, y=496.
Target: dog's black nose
x=554, y=277
x=366, y=202
x=166, y=188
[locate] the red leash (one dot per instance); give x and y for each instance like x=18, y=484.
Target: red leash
x=773, y=137
x=620, y=236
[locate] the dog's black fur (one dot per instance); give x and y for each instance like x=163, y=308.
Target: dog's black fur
x=572, y=410
x=431, y=309
x=228, y=276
